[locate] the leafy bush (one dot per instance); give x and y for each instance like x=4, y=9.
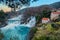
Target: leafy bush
x=47, y=37
x=49, y=28
x=38, y=18
x=34, y=29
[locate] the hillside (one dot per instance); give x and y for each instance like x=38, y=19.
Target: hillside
x=33, y=11
x=37, y=10
x=55, y=5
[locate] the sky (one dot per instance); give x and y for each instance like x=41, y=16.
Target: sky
x=38, y=3
x=42, y=2
x=5, y=8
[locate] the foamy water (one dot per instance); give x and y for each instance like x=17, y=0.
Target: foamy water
x=16, y=31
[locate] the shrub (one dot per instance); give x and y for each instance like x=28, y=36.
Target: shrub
x=34, y=29
x=55, y=26
x=46, y=37
x=49, y=28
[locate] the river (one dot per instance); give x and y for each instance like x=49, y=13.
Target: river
x=15, y=30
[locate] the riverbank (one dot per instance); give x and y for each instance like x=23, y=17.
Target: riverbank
x=50, y=31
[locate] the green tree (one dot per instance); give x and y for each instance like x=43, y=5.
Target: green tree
x=46, y=13
x=2, y=16
x=38, y=18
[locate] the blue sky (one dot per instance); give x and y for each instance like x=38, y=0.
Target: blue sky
x=42, y=2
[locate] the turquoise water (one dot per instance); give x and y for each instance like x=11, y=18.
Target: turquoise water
x=18, y=33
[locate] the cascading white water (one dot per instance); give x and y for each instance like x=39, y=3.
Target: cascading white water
x=32, y=22
x=16, y=31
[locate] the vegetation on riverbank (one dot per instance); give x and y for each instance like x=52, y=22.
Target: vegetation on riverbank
x=50, y=31
x=3, y=18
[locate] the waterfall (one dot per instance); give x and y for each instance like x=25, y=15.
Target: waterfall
x=13, y=22
x=17, y=20
x=32, y=22
x=17, y=31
